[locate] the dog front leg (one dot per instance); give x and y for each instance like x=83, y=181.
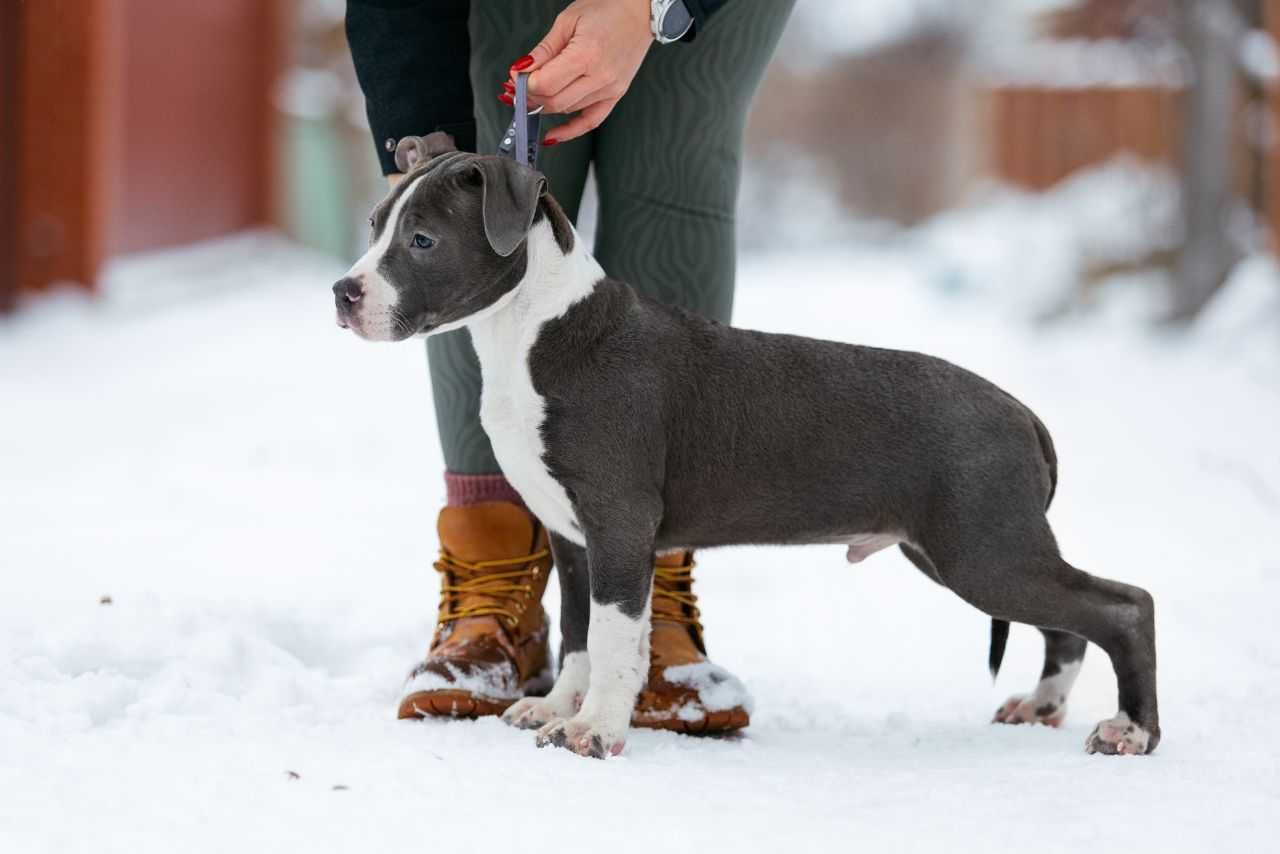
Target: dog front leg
x=617, y=649
x=572, y=682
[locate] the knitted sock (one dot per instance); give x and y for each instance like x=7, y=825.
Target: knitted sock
x=464, y=489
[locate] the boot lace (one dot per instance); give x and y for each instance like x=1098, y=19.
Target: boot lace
x=675, y=584
x=483, y=590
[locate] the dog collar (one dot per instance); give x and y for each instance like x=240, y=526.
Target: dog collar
x=523, y=138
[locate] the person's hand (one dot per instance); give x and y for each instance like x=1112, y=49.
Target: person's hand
x=586, y=63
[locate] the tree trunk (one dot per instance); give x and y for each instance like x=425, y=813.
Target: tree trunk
x=1211, y=30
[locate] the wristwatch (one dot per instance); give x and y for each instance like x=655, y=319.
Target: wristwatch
x=669, y=19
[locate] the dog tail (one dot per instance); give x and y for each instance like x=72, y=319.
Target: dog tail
x=999, y=637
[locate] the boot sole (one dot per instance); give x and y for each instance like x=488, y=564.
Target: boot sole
x=449, y=704
x=460, y=704
x=714, y=723
x=464, y=704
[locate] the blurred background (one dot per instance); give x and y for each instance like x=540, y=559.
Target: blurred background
x=216, y=506
x=135, y=125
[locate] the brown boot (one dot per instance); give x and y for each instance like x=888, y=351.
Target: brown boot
x=490, y=644
x=685, y=691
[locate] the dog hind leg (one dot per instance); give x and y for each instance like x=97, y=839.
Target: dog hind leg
x=1014, y=572
x=1047, y=704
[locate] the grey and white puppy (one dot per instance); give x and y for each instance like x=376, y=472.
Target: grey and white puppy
x=630, y=428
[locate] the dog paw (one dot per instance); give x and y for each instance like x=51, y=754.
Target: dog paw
x=1119, y=736
x=535, y=713
x=1026, y=709
x=584, y=737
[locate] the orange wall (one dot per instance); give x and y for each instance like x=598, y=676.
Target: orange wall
x=140, y=124
x=193, y=121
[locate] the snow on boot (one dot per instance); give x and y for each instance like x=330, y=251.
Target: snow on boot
x=490, y=644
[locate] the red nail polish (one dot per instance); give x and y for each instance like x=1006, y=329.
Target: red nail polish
x=522, y=63
x=508, y=85
x=507, y=99
x=549, y=141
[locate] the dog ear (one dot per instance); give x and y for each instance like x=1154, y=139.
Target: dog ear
x=414, y=150
x=511, y=194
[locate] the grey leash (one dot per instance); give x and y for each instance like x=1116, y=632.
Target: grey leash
x=523, y=137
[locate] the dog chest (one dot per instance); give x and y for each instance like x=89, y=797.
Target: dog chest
x=512, y=413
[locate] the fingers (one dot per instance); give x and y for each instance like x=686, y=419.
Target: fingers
x=612, y=93
x=551, y=45
x=583, y=123
x=557, y=75
x=578, y=95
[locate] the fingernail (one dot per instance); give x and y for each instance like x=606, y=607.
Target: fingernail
x=508, y=85
x=549, y=141
x=507, y=99
x=522, y=63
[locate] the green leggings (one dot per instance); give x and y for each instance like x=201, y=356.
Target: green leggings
x=667, y=164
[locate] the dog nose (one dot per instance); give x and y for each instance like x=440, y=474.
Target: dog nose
x=349, y=289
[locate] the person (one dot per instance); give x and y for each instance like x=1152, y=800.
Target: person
x=662, y=125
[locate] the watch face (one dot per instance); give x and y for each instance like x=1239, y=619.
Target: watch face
x=677, y=21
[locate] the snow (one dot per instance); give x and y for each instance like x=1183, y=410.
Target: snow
x=256, y=490
x=820, y=31
x=718, y=689
x=490, y=683
x=1260, y=56
x=1083, y=63
x=1029, y=251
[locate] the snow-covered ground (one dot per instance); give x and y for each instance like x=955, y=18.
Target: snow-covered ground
x=255, y=490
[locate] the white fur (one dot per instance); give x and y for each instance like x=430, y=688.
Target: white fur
x=1053, y=691
x=380, y=300
x=618, y=647
x=511, y=410
x=1057, y=688
x=563, y=700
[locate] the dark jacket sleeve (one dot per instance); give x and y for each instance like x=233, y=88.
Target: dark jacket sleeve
x=412, y=59
x=702, y=10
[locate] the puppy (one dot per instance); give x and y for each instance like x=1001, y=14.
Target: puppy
x=630, y=428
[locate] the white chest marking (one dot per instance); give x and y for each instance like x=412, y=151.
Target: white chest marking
x=511, y=410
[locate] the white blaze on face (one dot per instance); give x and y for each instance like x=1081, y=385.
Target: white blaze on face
x=375, y=312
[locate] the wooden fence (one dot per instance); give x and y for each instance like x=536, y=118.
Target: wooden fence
x=1040, y=136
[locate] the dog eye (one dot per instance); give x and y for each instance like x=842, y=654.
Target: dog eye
x=421, y=241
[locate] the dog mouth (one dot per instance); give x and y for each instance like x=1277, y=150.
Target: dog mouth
x=345, y=316
x=383, y=326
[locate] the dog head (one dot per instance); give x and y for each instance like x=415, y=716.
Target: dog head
x=445, y=244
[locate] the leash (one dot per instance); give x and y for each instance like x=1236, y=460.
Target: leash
x=524, y=137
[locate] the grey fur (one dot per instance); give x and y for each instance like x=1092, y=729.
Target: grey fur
x=413, y=150
x=511, y=195
x=667, y=430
